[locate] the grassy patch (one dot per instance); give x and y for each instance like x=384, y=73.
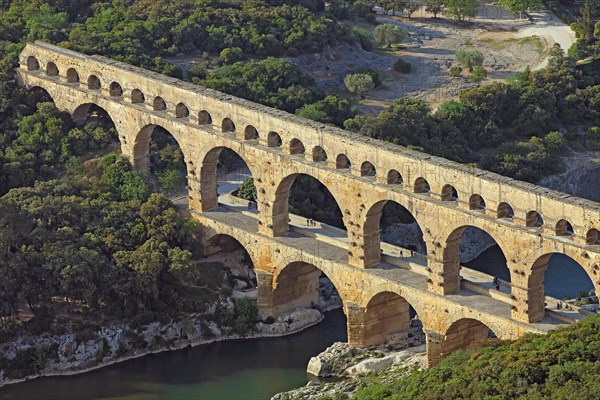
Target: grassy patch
x=534, y=41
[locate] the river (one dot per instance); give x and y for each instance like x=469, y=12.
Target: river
x=243, y=369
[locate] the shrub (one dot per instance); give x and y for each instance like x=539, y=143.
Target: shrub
x=364, y=37
x=402, y=66
x=455, y=71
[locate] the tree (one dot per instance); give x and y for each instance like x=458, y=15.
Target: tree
x=247, y=190
x=388, y=34
x=519, y=6
x=435, y=7
x=469, y=58
x=230, y=55
x=479, y=74
x=462, y=9
x=586, y=20
x=359, y=83
x=412, y=6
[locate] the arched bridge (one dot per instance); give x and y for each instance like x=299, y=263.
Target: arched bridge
x=528, y=222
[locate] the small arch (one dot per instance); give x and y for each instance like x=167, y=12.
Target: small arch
x=367, y=169
x=564, y=228
x=250, y=133
x=51, y=69
x=593, y=236
x=421, y=185
x=476, y=202
x=449, y=193
x=274, y=140
x=387, y=319
x=137, y=96
x=204, y=118
x=394, y=177
x=342, y=162
x=181, y=111
x=93, y=83
x=227, y=125
x=296, y=146
x=115, y=89
x=505, y=211
x=32, y=64
x=319, y=154
x=72, y=75
x=534, y=219
x=159, y=104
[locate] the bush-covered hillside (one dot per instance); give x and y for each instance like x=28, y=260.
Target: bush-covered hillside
x=565, y=364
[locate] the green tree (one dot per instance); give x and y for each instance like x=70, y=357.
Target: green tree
x=388, y=34
x=435, y=7
x=247, y=190
x=520, y=6
x=462, y=9
x=479, y=74
x=469, y=58
x=359, y=83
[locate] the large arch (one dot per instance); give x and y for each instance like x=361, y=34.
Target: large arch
x=141, y=147
x=483, y=254
x=86, y=112
x=229, y=251
x=209, y=187
x=464, y=333
x=281, y=203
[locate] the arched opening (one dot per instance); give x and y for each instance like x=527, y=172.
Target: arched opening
x=421, y=186
x=157, y=151
x=296, y=147
x=342, y=162
x=89, y=113
x=204, y=118
x=367, y=169
x=476, y=202
x=32, y=64
x=563, y=278
x=593, y=237
x=181, y=111
x=449, y=193
x=319, y=154
x=390, y=319
x=505, y=211
x=394, y=177
x=311, y=204
x=41, y=95
x=301, y=286
x=72, y=75
x=393, y=233
x=137, y=96
x=98, y=125
x=93, y=82
x=227, y=126
x=159, y=104
x=564, y=228
x=534, y=219
x=476, y=257
x=115, y=89
x=51, y=69
x=274, y=140
x=250, y=133
x=225, y=172
x=464, y=333
x=225, y=253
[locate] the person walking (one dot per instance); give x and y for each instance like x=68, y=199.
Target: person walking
x=496, y=283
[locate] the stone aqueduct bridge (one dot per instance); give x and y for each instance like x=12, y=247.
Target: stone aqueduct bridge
x=528, y=222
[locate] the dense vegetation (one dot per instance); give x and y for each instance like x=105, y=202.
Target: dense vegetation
x=564, y=364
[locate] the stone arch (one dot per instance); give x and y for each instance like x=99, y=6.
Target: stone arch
x=476, y=202
x=226, y=244
x=274, y=140
x=592, y=236
x=505, y=210
x=159, y=104
x=452, y=255
x=280, y=209
x=72, y=75
x=386, y=318
x=342, y=162
x=42, y=94
x=51, y=69
x=32, y=64
x=181, y=111
x=319, y=154
x=250, y=133
x=227, y=125
x=462, y=334
x=367, y=169
x=296, y=146
x=534, y=219
x=137, y=96
x=141, y=146
x=204, y=118
x=93, y=82
x=421, y=186
x=394, y=177
x=208, y=177
x=295, y=286
x=449, y=193
x=564, y=228
x=85, y=111
x=115, y=89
